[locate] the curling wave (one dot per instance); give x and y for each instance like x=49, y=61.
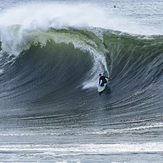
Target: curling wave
x=43, y=63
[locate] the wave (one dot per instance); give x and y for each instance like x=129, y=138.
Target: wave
x=68, y=51
x=57, y=61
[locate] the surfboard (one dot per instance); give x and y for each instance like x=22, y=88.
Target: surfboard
x=101, y=88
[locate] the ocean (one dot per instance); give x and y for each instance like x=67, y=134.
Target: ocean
x=51, y=55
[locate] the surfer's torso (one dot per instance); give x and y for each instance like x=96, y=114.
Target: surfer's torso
x=103, y=78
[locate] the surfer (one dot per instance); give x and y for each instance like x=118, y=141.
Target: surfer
x=103, y=78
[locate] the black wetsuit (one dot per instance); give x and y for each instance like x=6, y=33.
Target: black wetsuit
x=103, y=78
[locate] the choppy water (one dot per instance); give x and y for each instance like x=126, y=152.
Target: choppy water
x=51, y=55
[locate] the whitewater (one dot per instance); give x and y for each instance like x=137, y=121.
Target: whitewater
x=51, y=54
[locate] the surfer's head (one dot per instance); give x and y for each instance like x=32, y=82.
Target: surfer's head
x=100, y=75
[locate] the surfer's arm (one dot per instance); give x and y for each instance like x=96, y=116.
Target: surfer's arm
x=108, y=78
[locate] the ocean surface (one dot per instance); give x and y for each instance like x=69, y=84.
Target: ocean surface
x=51, y=54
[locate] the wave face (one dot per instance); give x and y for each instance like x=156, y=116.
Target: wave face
x=49, y=67
x=60, y=69
x=71, y=59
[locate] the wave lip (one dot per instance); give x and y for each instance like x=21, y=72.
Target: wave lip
x=17, y=21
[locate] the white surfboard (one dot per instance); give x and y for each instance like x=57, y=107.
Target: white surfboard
x=101, y=88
